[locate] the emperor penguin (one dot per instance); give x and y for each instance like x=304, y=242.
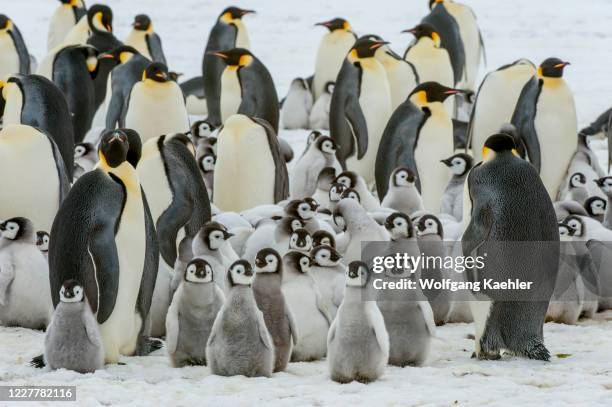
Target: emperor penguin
x=191, y=316
x=65, y=16
x=357, y=342
x=576, y=188
x=297, y=105
x=323, y=237
x=36, y=159
x=595, y=206
x=271, y=234
x=155, y=105
x=206, y=162
x=403, y=194
x=36, y=101
x=305, y=172
x=325, y=180
x=605, y=184
x=509, y=203
x=14, y=56
x=239, y=343
x=73, y=340
x=100, y=20
x=495, y=101
x=228, y=32
x=247, y=87
x=250, y=170
x=360, y=108
x=328, y=273
x=332, y=50
x=271, y=301
x=545, y=117
x=24, y=284
x=203, y=133
x=42, y=243
x=85, y=158
x=352, y=180
x=460, y=165
x=311, y=313
x=106, y=224
x=319, y=114
x=212, y=241
x=145, y=40
x=300, y=241
x=418, y=136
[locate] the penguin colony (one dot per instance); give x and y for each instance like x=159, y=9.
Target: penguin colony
x=200, y=233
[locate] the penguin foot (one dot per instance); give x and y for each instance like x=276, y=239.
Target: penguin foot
x=536, y=350
x=38, y=362
x=153, y=344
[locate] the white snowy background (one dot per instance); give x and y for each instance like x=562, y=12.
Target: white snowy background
x=284, y=38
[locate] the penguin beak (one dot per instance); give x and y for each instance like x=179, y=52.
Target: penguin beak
x=259, y=262
x=245, y=12
x=324, y=24
x=378, y=44
x=219, y=54
x=410, y=30
x=562, y=65
x=453, y=91
x=248, y=272
x=106, y=56
x=446, y=162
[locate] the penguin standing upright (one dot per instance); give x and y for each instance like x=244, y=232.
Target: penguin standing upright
x=513, y=221
x=418, y=136
x=403, y=194
x=155, y=105
x=319, y=114
x=452, y=202
x=38, y=102
x=360, y=108
x=320, y=154
x=229, y=32
x=65, y=16
x=250, y=170
x=105, y=225
x=297, y=104
x=333, y=47
x=14, y=57
x=247, y=87
x=145, y=40
x=545, y=117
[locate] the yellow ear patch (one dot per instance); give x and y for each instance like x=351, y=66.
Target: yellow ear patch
x=347, y=26
x=124, y=57
x=421, y=97
x=245, y=60
x=539, y=72
x=515, y=153
x=436, y=38
x=485, y=152
x=102, y=163
x=226, y=18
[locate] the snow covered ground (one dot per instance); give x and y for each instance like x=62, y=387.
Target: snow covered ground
x=283, y=36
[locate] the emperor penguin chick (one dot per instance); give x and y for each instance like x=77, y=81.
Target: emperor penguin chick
x=296, y=105
x=240, y=343
x=353, y=180
x=191, y=315
x=271, y=301
x=358, y=342
x=73, y=339
x=319, y=114
x=452, y=200
x=321, y=153
x=403, y=194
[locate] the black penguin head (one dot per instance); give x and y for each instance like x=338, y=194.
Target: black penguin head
x=5, y=22
x=326, y=178
x=18, y=229
x=326, y=145
x=120, y=54
x=577, y=180
x=290, y=224
x=565, y=231
x=336, y=24
x=335, y=191
x=82, y=149
x=214, y=235
x=240, y=273
x=300, y=240
x=314, y=205
x=338, y=218
x=207, y=160
x=429, y=225
x=201, y=129
x=329, y=87
x=347, y=178
x=235, y=57
x=432, y=3
x=298, y=261
x=231, y=14
x=268, y=261
x=300, y=83
x=42, y=241
x=431, y=92
x=73, y=3
x=425, y=30
x=198, y=271
x=157, y=72
x=399, y=226
x=357, y=274
x=595, y=206
x=100, y=18
x=325, y=256
x=350, y=193
x=301, y=208
x=365, y=47
x=576, y=224
x=113, y=149
x=552, y=68
x=459, y=163
x=142, y=22
x=403, y=177
x=605, y=184
x=72, y=291
x=315, y=134
x=323, y=237
x=498, y=144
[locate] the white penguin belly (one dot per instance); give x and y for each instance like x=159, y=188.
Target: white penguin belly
x=401, y=82
x=30, y=185
x=480, y=312
x=331, y=53
x=242, y=37
x=435, y=143
x=60, y=25
x=375, y=103
x=138, y=40
x=556, y=126
x=14, y=103
x=9, y=60
x=156, y=109
x=470, y=36
x=231, y=93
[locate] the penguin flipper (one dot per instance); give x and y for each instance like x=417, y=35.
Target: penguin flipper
x=378, y=326
x=103, y=252
x=281, y=178
x=155, y=48
x=523, y=119
x=115, y=109
x=22, y=51
x=7, y=275
x=470, y=126
x=320, y=302
x=91, y=329
x=264, y=335
x=357, y=125
x=64, y=182
x=428, y=316
x=172, y=322
x=292, y=325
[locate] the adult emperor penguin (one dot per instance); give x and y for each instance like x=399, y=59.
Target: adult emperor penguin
x=155, y=105
x=73, y=339
x=36, y=101
x=100, y=20
x=250, y=170
x=360, y=108
x=14, y=56
x=105, y=224
x=513, y=221
x=358, y=342
x=545, y=117
x=247, y=87
x=240, y=343
x=32, y=155
x=145, y=40
x=418, y=136
x=229, y=32
x=65, y=16
x=333, y=47
x=495, y=102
